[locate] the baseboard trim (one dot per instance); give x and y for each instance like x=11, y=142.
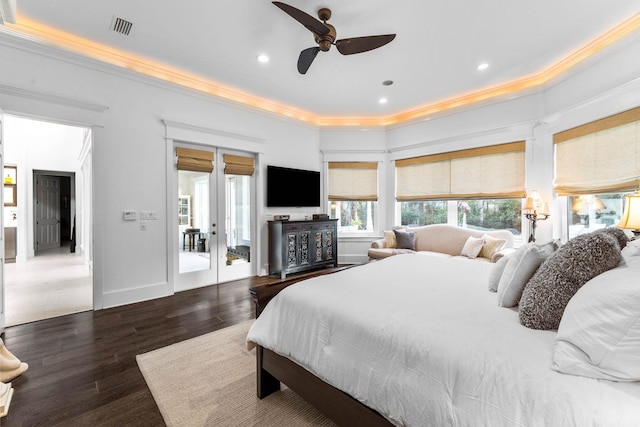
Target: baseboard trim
x=129, y=296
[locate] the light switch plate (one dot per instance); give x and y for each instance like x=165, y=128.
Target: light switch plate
x=129, y=215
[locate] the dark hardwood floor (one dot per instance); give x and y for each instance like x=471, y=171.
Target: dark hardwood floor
x=82, y=367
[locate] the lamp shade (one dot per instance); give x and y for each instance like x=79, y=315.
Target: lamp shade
x=631, y=215
x=528, y=205
x=597, y=204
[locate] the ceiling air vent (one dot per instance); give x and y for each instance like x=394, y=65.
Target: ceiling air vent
x=121, y=26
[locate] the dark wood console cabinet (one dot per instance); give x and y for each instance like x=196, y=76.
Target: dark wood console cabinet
x=296, y=246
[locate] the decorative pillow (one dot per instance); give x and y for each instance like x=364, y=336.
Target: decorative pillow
x=496, y=273
x=491, y=246
x=599, y=334
x=405, y=239
x=559, y=278
x=519, y=269
x=617, y=233
x=472, y=247
x=632, y=249
x=389, y=239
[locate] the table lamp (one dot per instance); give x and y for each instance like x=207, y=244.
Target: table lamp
x=631, y=215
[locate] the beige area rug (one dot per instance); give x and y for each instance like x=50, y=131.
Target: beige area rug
x=210, y=381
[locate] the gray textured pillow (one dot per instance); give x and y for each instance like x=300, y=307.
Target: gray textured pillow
x=559, y=278
x=405, y=239
x=519, y=269
x=618, y=234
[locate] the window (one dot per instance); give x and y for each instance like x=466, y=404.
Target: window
x=425, y=212
x=587, y=213
x=491, y=214
x=477, y=188
x=353, y=195
x=484, y=214
x=354, y=216
x=596, y=165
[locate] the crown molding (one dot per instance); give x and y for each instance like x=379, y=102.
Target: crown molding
x=57, y=39
x=51, y=98
x=173, y=129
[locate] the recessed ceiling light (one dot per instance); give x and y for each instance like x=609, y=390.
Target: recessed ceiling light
x=482, y=66
x=262, y=58
x=382, y=100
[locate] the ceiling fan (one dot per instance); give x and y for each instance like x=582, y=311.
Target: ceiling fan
x=325, y=36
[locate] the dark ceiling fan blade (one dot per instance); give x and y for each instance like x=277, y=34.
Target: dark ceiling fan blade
x=306, y=58
x=311, y=23
x=363, y=44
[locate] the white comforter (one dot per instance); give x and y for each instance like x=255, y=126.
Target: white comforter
x=421, y=340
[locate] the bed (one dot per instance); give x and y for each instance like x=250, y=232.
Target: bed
x=417, y=340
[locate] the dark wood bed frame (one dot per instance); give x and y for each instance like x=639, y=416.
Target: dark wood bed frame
x=272, y=369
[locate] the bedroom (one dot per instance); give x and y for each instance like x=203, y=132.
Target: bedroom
x=126, y=113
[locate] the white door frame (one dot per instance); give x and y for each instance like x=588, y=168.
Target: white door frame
x=45, y=106
x=2, y=316
x=176, y=132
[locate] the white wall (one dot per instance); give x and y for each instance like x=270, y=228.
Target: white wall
x=126, y=111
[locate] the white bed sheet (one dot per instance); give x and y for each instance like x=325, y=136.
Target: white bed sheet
x=421, y=340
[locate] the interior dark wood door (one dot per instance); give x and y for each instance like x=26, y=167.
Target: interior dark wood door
x=47, y=212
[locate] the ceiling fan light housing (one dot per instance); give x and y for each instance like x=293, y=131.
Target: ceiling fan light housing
x=325, y=41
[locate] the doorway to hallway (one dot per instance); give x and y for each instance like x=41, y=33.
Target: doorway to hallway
x=51, y=275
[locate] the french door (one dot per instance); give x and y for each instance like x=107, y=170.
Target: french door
x=214, y=222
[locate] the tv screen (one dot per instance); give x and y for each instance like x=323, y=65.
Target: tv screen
x=288, y=187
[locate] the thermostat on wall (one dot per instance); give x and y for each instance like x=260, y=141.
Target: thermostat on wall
x=129, y=215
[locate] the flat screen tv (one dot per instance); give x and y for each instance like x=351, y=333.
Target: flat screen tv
x=288, y=187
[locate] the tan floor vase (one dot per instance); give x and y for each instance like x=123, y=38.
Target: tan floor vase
x=210, y=381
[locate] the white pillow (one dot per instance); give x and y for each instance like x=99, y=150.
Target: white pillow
x=520, y=267
x=599, y=334
x=632, y=249
x=496, y=273
x=472, y=247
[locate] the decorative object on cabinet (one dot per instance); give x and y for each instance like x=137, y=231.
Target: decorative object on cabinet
x=296, y=246
x=10, y=186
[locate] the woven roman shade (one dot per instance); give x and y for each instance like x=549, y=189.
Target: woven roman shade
x=493, y=172
x=353, y=181
x=599, y=157
x=194, y=160
x=238, y=165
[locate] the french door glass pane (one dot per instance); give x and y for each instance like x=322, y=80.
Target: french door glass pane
x=238, y=218
x=193, y=221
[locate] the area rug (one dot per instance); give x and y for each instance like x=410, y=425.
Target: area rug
x=210, y=381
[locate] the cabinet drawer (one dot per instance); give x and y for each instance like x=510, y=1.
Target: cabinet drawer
x=323, y=226
x=292, y=227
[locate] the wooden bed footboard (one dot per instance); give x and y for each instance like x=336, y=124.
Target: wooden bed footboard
x=335, y=404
